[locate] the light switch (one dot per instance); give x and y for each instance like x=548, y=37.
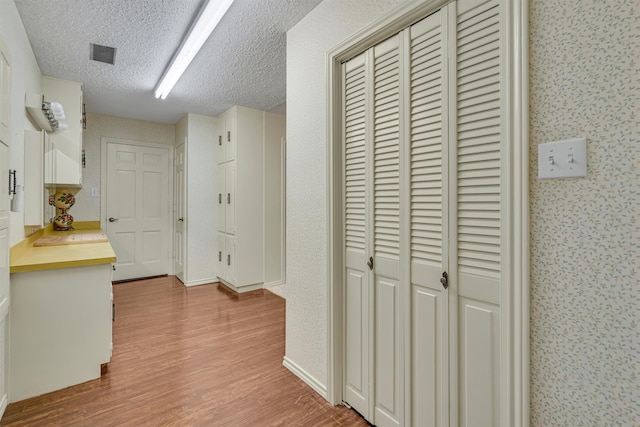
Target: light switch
x=94, y=192
x=563, y=159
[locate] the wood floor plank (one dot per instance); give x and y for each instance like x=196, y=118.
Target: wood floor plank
x=197, y=356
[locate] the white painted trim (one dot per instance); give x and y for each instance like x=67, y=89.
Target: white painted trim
x=103, y=185
x=309, y=379
x=283, y=210
x=276, y=283
x=4, y=309
x=241, y=289
x=517, y=338
x=3, y=404
x=200, y=282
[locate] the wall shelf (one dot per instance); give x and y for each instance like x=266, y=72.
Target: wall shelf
x=33, y=104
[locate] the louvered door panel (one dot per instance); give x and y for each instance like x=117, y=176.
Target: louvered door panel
x=386, y=138
x=428, y=88
x=357, y=295
x=479, y=136
x=386, y=217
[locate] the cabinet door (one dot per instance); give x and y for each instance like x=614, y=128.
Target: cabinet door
x=220, y=145
x=230, y=269
x=221, y=201
x=66, y=145
x=33, y=177
x=229, y=136
x=230, y=186
x=220, y=256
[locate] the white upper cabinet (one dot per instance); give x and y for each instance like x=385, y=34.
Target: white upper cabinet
x=63, y=161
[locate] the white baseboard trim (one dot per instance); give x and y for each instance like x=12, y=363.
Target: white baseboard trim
x=312, y=382
x=276, y=283
x=3, y=405
x=242, y=289
x=200, y=282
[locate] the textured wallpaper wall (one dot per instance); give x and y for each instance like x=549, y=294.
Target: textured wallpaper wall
x=584, y=233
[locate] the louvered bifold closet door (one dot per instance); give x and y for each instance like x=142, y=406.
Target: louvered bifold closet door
x=357, y=295
x=479, y=215
x=428, y=135
x=386, y=228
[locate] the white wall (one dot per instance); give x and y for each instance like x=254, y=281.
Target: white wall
x=87, y=208
x=306, y=207
x=26, y=77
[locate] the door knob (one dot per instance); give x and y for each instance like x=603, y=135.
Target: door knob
x=370, y=263
x=112, y=219
x=445, y=280
x=181, y=219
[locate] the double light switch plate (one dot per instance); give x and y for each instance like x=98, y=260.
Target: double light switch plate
x=563, y=159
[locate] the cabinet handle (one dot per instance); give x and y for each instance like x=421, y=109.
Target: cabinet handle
x=220, y=140
x=181, y=219
x=220, y=256
x=228, y=136
x=220, y=198
x=229, y=259
x=370, y=263
x=228, y=198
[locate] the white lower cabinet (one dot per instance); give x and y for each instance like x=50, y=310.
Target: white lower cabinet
x=60, y=332
x=230, y=259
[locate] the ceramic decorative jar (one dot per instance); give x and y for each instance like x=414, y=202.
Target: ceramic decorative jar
x=63, y=221
x=64, y=200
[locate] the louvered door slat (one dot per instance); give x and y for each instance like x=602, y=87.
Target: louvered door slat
x=386, y=133
x=426, y=146
x=355, y=158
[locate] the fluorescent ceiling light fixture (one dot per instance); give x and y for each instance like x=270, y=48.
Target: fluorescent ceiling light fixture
x=210, y=15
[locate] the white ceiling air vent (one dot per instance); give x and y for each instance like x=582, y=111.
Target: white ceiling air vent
x=101, y=53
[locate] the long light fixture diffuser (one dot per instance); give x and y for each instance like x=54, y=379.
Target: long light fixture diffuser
x=210, y=15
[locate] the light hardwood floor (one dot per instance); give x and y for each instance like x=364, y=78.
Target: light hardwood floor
x=197, y=356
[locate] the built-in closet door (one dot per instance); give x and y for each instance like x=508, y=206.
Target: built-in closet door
x=372, y=225
x=424, y=201
x=428, y=153
x=479, y=212
x=357, y=221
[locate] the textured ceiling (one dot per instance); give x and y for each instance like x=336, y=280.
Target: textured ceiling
x=242, y=62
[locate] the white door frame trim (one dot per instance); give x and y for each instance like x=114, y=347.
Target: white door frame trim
x=515, y=394
x=103, y=185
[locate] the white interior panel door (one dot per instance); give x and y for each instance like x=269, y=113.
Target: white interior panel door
x=180, y=247
x=479, y=218
x=386, y=229
x=138, y=209
x=428, y=212
x=357, y=293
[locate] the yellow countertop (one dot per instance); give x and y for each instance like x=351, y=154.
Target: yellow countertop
x=26, y=257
